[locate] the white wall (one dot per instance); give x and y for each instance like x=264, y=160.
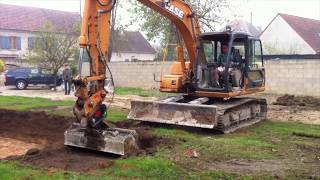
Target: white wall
x=280, y=38
x=121, y=57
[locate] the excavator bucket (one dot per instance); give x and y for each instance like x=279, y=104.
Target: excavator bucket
x=110, y=140
x=224, y=116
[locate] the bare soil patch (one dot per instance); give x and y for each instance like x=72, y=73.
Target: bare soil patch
x=300, y=114
x=247, y=167
x=291, y=100
x=47, y=133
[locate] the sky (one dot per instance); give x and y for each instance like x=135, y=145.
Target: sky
x=263, y=11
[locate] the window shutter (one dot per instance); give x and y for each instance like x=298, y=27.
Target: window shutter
x=30, y=43
x=18, y=43
x=6, y=43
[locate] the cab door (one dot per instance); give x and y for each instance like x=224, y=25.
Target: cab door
x=255, y=66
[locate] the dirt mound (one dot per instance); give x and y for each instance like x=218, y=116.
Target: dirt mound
x=147, y=141
x=291, y=100
x=40, y=128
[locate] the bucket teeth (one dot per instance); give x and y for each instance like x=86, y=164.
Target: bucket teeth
x=110, y=140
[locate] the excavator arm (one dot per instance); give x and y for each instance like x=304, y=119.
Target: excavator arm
x=95, y=39
x=90, y=131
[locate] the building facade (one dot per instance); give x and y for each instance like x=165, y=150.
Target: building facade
x=131, y=46
x=19, y=26
x=287, y=34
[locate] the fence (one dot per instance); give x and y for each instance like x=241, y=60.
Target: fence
x=294, y=76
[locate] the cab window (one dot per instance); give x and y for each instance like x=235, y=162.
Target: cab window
x=208, y=48
x=256, y=54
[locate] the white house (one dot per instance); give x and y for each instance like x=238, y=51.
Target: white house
x=19, y=26
x=132, y=46
x=287, y=34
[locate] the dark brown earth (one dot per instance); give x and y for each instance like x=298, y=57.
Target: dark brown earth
x=291, y=100
x=47, y=130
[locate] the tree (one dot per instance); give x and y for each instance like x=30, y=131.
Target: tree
x=52, y=49
x=2, y=65
x=160, y=29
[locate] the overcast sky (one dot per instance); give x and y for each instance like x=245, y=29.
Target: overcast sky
x=263, y=11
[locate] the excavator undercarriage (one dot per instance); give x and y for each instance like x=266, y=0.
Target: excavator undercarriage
x=222, y=115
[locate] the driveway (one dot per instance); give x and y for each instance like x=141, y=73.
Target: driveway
x=35, y=92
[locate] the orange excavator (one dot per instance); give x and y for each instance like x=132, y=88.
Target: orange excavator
x=218, y=68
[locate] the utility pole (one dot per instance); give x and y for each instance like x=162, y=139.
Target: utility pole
x=80, y=10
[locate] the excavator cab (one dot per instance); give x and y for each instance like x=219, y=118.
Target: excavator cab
x=229, y=64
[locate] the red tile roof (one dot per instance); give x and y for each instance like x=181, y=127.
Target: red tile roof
x=244, y=26
x=308, y=29
x=23, y=18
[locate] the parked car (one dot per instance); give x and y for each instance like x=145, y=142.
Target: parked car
x=11, y=66
x=24, y=77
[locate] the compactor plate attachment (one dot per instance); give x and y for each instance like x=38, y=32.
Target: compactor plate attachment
x=110, y=140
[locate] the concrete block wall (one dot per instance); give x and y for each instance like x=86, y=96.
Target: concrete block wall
x=130, y=74
x=138, y=74
x=299, y=77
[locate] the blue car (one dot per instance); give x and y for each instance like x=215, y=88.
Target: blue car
x=24, y=77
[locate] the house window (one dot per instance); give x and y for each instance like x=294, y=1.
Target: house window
x=10, y=42
x=34, y=42
x=15, y=42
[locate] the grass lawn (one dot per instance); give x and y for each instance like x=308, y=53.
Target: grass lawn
x=274, y=145
x=140, y=92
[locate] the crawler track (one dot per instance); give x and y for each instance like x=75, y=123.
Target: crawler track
x=240, y=113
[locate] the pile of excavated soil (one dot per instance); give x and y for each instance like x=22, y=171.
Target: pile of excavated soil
x=48, y=131
x=291, y=100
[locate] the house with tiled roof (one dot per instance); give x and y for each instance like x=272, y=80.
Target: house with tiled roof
x=131, y=46
x=19, y=26
x=244, y=26
x=288, y=34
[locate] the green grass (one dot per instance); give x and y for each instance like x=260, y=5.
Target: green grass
x=140, y=92
x=62, y=108
x=14, y=171
x=268, y=140
x=145, y=168
x=224, y=147
x=131, y=168
x=116, y=114
x=24, y=103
